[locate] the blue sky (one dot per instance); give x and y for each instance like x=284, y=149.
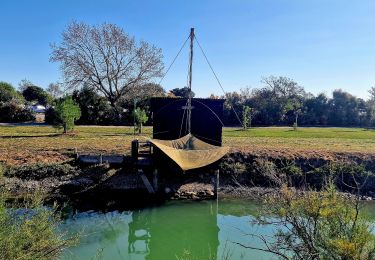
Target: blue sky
x=322, y=44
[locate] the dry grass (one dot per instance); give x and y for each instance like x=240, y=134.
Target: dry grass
x=28, y=144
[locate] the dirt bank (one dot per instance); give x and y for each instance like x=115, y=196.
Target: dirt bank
x=242, y=174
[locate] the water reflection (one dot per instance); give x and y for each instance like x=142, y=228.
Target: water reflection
x=203, y=229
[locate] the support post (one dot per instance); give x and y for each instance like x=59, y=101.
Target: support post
x=101, y=159
x=155, y=180
x=217, y=182
x=76, y=153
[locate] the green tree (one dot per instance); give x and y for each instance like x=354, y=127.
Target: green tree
x=316, y=225
x=140, y=117
x=247, y=116
x=7, y=92
x=35, y=93
x=94, y=108
x=68, y=111
x=182, y=92
x=295, y=106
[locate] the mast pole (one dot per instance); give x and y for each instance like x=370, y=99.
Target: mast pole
x=190, y=78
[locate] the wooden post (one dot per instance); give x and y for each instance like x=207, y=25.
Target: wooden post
x=217, y=183
x=76, y=153
x=217, y=191
x=101, y=159
x=155, y=180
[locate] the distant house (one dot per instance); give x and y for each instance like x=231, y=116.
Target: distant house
x=37, y=108
x=40, y=112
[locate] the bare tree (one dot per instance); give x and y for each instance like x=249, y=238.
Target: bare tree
x=24, y=84
x=106, y=58
x=55, y=90
x=372, y=93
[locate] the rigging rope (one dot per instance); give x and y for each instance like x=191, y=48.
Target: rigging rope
x=183, y=45
x=217, y=79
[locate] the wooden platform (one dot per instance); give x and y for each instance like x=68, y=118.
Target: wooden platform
x=100, y=159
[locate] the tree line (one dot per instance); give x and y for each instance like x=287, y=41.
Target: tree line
x=282, y=101
x=109, y=76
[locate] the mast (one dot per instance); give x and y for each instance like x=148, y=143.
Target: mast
x=189, y=107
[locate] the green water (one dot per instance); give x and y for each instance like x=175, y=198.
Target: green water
x=204, y=229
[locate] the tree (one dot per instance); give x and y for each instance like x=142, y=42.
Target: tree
x=13, y=112
x=316, y=110
x=54, y=90
x=372, y=93
x=182, y=92
x=7, y=92
x=23, y=84
x=294, y=105
x=141, y=94
x=247, y=116
x=286, y=94
x=140, y=117
x=35, y=93
x=316, y=225
x=345, y=109
x=94, y=108
x=106, y=58
x=67, y=111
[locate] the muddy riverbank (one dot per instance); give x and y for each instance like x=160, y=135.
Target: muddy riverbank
x=242, y=175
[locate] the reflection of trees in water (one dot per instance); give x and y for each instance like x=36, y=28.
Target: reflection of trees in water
x=139, y=231
x=166, y=232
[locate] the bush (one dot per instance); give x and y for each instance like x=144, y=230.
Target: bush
x=29, y=231
x=346, y=175
x=11, y=112
x=40, y=171
x=1, y=170
x=316, y=225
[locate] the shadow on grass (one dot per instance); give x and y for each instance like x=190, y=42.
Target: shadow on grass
x=27, y=136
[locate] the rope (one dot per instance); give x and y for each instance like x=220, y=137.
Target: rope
x=201, y=137
x=217, y=79
x=182, y=120
x=217, y=117
x=183, y=45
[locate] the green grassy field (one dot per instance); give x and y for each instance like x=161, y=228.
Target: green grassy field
x=24, y=144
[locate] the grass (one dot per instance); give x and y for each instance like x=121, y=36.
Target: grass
x=24, y=144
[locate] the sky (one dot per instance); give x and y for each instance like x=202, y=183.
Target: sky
x=321, y=44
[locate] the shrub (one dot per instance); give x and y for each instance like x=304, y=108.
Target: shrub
x=14, y=113
x=40, y=171
x=346, y=175
x=316, y=225
x=29, y=231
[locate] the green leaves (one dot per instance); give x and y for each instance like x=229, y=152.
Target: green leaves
x=68, y=111
x=140, y=117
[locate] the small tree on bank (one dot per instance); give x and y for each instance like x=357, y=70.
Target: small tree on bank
x=140, y=117
x=67, y=111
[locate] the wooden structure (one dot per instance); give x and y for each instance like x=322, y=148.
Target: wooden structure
x=206, y=119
